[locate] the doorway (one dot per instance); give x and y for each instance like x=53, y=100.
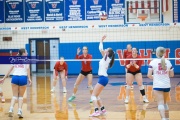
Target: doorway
x=47, y=48
x=43, y=50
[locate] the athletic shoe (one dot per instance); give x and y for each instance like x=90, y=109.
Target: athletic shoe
x=71, y=98
x=126, y=100
x=52, y=90
x=95, y=114
x=90, y=101
x=64, y=90
x=145, y=100
x=103, y=112
x=2, y=99
x=11, y=112
x=20, y=114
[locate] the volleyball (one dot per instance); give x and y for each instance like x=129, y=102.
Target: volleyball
x=103, y=15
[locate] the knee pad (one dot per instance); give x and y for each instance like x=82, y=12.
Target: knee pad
x=0, y=90
x=93, y=98
x=20, y=98
x=76, y=86
x=161, y=107
x=14, y=97
x=141, y=87
x=98, y=98
x=90, y=87
x=128, y=87
x=166, y=107
x=63, y=78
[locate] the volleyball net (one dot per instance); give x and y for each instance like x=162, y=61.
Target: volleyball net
x=56, y=41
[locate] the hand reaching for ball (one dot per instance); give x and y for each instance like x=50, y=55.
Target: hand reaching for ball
x=104, y=37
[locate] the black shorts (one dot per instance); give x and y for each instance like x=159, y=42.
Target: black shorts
x=134, y=73
x=86, y=73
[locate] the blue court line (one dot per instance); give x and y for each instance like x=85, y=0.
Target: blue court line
x=134, y=83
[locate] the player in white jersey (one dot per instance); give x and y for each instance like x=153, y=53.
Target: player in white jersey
x=106, y=62
x=19, y=81
x=162, y=70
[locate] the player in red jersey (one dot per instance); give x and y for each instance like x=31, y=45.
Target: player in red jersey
x=86, y=71
x=61, y=67
x=134, y=72
x=127, y=53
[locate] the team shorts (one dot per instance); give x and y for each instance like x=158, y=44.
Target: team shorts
x=86, y=73
x=134, y=73
x=103, y=80
x=162, y=89
x=57, y=72
x=19, y=80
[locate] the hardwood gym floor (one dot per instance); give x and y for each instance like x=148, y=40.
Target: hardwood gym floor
x=41, y=104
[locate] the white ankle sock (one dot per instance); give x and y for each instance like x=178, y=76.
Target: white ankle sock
x=165, y=119
x=144, y=97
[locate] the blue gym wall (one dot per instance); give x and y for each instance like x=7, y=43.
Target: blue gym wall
x=68, y=50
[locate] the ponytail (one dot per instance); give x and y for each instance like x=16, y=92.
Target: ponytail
x=112, y=56
x=163, y=63
x=112, y=60
x=160, y=54
x=21, y=51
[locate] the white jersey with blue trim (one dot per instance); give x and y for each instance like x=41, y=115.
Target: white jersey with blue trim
x=160, y=77
x=20, y=69
x=103, y=66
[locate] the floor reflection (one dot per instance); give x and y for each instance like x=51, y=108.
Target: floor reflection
x=60, y=108
x=75, y=113
x=134, y=111
x=41, y=101
x=177, y=90
x=1, y=109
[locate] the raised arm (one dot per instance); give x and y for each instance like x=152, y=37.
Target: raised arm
x=77, y=54
x=101, y=45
